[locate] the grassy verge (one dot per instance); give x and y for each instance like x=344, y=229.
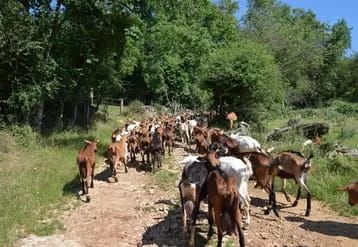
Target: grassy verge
x=330, y=171
x=38, y=175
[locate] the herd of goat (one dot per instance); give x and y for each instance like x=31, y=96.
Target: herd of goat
x=219, y=171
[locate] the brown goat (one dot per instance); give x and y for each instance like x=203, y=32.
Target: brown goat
x=262, y=171
x=201, y=144
x=156, y=149
x=117, y=152
x=86, y=161
x=232, y=117
x=223, y=200
x=168, y=137
x=132, y=146
x=352, y=192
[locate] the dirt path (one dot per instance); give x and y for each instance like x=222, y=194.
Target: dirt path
x=135, y=212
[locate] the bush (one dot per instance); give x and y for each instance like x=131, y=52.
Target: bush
x=345, y=108
x=136, y=106
x=24, y=135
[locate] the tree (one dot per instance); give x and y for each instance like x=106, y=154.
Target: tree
x=244, y=78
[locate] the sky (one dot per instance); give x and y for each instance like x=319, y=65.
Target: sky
x=327, y=11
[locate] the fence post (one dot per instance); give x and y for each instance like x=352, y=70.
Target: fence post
x=121, y=106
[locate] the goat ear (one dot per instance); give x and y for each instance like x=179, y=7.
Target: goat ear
x=87, y=141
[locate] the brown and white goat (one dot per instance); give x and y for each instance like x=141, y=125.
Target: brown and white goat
x=192, y=188
x=292, y=165
x=86, y=161
x=239, y=168
x=352, y=193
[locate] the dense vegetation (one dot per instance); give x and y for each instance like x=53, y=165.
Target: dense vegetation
x=192, y=52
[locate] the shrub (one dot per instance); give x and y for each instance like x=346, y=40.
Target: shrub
x=345, y=108
x=136, y=106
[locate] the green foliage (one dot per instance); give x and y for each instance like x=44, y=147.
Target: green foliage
x=24, y=135
x=135, y=106
x=307, y=50
x=345, y=108
x=245, y=78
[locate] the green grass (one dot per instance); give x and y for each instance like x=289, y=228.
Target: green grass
x=38, y=175
x=329, y=171
x=32, y=186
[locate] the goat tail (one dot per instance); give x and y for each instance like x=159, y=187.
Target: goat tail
x=307, y=163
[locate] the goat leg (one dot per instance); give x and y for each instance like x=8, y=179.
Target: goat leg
x=308, y=209
x=211, y=221
x=295, y=203
x=283, y=186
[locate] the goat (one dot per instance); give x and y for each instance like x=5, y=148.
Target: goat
x=192, y=188
x=352, y=192
x=232, y=117
x=156, y=149
x=223, y=205
x=295, y=166
x=262, y=171
x=132, y=146
x=118, y=152
x=201, y=144
x=241, y=169
x=86, y=161
x=168, y=137
x=246, y=143
x=184, y=133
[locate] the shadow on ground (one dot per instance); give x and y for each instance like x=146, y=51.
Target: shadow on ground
x=327, y=227
x=168, y=232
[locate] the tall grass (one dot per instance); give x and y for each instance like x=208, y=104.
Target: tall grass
x=330, y=170
x=39, y=176
x=33, y=184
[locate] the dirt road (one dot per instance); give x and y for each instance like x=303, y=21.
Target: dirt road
x=135, y=212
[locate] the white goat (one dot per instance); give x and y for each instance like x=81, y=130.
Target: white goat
x=247, y=144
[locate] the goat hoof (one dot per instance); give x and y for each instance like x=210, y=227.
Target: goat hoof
x=88, y=199
x=308, y=213
x=115, y=179
x=295, y=203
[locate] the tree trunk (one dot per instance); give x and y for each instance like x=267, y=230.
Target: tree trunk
x=38, y=115
x=74, y=116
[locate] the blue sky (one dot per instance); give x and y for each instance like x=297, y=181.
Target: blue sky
x=327, y=11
